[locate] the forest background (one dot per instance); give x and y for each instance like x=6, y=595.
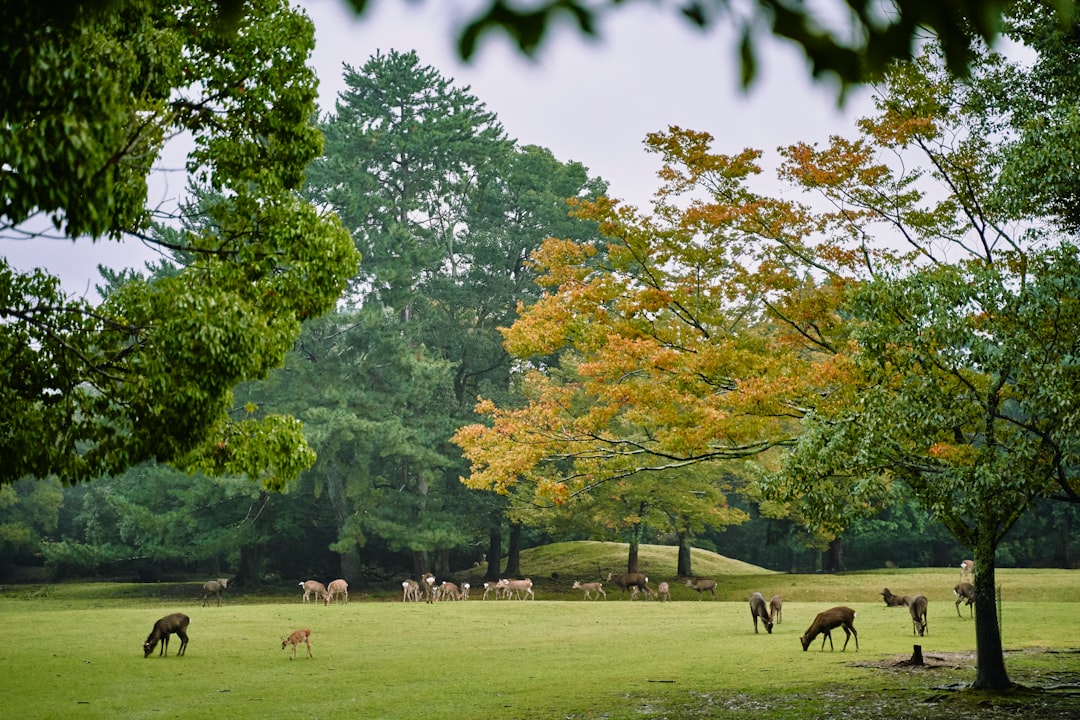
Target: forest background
x=445, y=212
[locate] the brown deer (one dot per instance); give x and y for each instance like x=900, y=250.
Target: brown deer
x=212, y=588
x=917, y=608
x=637, y=581
x=337, y=587
x=894, y=600
x=825, y=622
x=176, y=623
x=702, y=585
x=297, y=637
x=758, y=609
x=964, y=591
x=313, y=587
x=663, y=591
x=593, y=589
x=967, y=569
x=776, y=609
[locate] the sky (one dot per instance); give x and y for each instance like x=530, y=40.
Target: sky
x=589, y=101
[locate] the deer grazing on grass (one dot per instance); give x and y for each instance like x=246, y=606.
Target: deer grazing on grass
x=313, y=587
x=410, y=590
x=776, y=609
x=176, y=623
x=637, y=581
x=297, y=637
x=337, y=587
x=758, y=609
x=214, y=587
x=917, y=608
x=825, y=622
x=492, y=587
x=702, y=585
x=448, y=590
x=596, y=589
x=967, y=569
x=964, y=591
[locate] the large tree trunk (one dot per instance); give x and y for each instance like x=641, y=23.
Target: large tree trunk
x=686, y=567
x=513, y=551
x=990, y=658
x=834, y=556
x=339, y=503
x=442, y=563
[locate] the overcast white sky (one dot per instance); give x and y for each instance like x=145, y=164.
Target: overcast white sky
x=587, y=101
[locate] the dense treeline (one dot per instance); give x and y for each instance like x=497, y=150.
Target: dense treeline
x=445, y=211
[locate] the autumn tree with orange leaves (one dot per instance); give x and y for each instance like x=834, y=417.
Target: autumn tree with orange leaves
x=916, y=329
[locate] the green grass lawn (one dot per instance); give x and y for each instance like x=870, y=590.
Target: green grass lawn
x=74, y=651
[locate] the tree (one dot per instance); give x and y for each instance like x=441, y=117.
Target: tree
x=915, y=333
x=147, y=373
x=445, y=210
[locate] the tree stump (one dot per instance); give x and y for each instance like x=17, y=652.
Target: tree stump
x=916, y=656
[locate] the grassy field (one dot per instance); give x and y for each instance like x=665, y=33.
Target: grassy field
x=74, y=651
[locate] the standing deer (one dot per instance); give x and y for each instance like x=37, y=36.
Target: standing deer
x=825, y=622
x=176, y=623
x=663, y=591
x=214, y=587
x=596, y=589
x=701, y=585
x=758, y=609
x=337, y=587
x=297, y=637
x=964, y=591
x=637, y=581
x=917, y=608
x=313, y=587
x=967, y=569
x=776, y=609
x=410, y=590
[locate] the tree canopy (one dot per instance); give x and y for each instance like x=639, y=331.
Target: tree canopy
x=86, y=104
x=915, y=328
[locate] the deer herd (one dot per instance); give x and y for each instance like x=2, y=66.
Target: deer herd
x=768, y=613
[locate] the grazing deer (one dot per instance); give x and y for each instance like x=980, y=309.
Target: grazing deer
x=337, y=587
x=917, y=608
x=825, y=622
x=313, y=587
x=964, y=591
x=410, y=590
x=297, y=637
x=214, y=587
x=758, y=609
x=776, y=609
x=967, y=569
x=176, y=623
